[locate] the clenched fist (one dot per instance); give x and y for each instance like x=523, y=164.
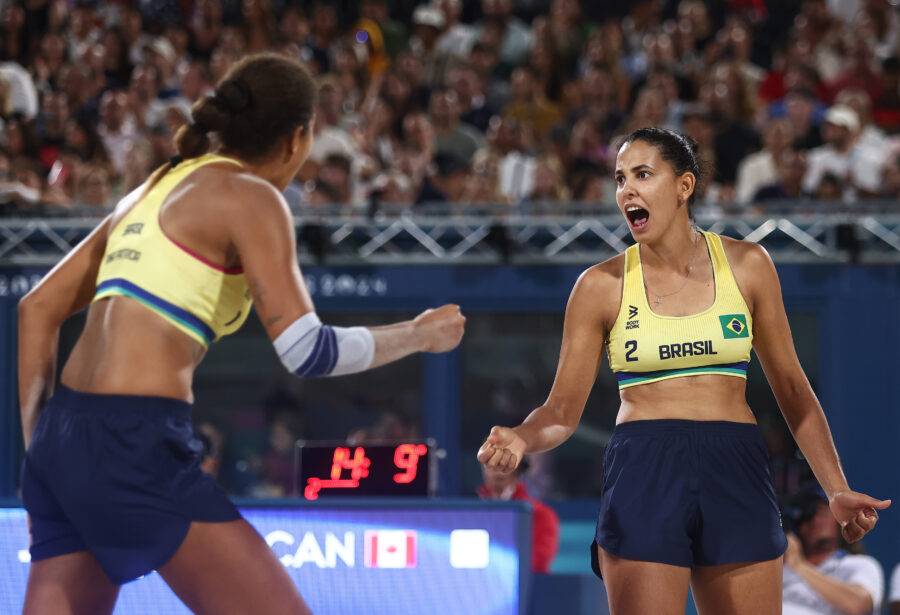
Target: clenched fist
x=502, y=450
x=857, y=513
x=440, y=329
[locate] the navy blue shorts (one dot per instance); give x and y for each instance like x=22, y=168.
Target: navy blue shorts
x=118, y=476
x=688, y=493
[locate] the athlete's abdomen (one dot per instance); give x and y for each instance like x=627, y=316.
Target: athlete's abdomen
x=127, y=349
x=695, y=398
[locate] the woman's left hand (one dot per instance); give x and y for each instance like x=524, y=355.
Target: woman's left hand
x=857, y=513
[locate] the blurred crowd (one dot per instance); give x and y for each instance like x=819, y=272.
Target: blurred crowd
x=462, y=101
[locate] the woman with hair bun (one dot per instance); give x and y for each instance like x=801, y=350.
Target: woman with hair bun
x=111, y=478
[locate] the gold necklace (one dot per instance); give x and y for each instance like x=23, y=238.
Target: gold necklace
x=690, y=269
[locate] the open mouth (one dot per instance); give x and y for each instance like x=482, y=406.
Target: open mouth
x=637, y=216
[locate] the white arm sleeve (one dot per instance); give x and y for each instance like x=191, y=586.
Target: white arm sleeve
x=309, y=349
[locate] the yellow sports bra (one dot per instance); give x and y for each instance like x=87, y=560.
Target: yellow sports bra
x=645, y=347
x=204, y=300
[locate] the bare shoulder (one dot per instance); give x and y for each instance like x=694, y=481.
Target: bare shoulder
x=746, y=257
x=605, y=276
x=752, y=268
x=599, y=289
x=246, y=196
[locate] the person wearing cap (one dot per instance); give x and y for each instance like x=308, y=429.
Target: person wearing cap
x=844, y=156
x=428, y=24
x=544, y=521
x=821, y=575
x=893, y=597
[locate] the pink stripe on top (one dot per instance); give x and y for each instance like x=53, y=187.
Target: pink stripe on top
x=207, y=262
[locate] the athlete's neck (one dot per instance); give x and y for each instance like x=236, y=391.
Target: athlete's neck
x=675, y=250
x=268, y=170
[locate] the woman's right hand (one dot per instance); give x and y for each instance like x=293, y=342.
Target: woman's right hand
x=440, y=329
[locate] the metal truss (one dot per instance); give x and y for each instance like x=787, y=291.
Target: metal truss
x=492, y=235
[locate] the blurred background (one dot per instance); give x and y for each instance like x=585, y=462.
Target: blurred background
x=464, y=153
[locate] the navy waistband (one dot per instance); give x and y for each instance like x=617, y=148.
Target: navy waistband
x=669, y=426
x=143, y=405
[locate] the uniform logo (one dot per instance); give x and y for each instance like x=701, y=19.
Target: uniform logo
x=124, y=253
x=734, y=326
x=134, y=229
x=686, y=349
x=632, y=314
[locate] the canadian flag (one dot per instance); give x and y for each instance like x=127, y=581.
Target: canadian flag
x=390, y=549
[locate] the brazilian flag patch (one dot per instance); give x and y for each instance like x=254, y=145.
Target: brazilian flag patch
x=734, y=326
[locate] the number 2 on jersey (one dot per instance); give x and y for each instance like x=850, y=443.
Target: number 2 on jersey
x=631, y=348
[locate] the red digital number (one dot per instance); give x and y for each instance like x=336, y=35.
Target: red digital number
x=406, y=458
x=358, y=464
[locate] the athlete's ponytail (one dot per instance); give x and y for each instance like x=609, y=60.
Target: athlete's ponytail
x=259, y=102
x=210, y=114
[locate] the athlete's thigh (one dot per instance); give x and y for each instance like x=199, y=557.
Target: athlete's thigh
x=638, y=588
x=70, y=584
x=227, y=569
x=739, y=589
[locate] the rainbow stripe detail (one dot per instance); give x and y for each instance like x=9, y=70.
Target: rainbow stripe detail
x=178, y=316
x=627, y=379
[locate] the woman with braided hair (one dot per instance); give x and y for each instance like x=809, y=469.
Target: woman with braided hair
x=111, y=477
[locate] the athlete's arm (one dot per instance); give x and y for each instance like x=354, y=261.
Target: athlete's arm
x=67, y=289
x=262, y=230
x=555, y=421
x=801, y=409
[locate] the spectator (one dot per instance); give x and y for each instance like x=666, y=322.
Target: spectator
x=331, y=137
x=336, y=173
x=469, y=87
x=548, y=184
x=894, y=592
x=514, y=35
x=801, y=109
x=529, y=105
x=891, y=180
x=759, y=169
x=428, y=23
x=393, y=32
x=871, y=137
x=452, y=136
x=544, y=520
x=277, y=476
x=457, y=38
x=23, y=96
x=820, y=575
x=448, y=182
x=93, y=189
x=790, y=166
x=195, y=81
x=388, y=427
x=143, y=96
x=852, y=163
x=392, y=189
x=117, y=129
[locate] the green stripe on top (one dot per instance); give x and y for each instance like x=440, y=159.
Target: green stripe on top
x=110, y=290
x=628, y=379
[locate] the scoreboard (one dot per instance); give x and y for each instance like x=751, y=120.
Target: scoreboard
x=381, y=469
